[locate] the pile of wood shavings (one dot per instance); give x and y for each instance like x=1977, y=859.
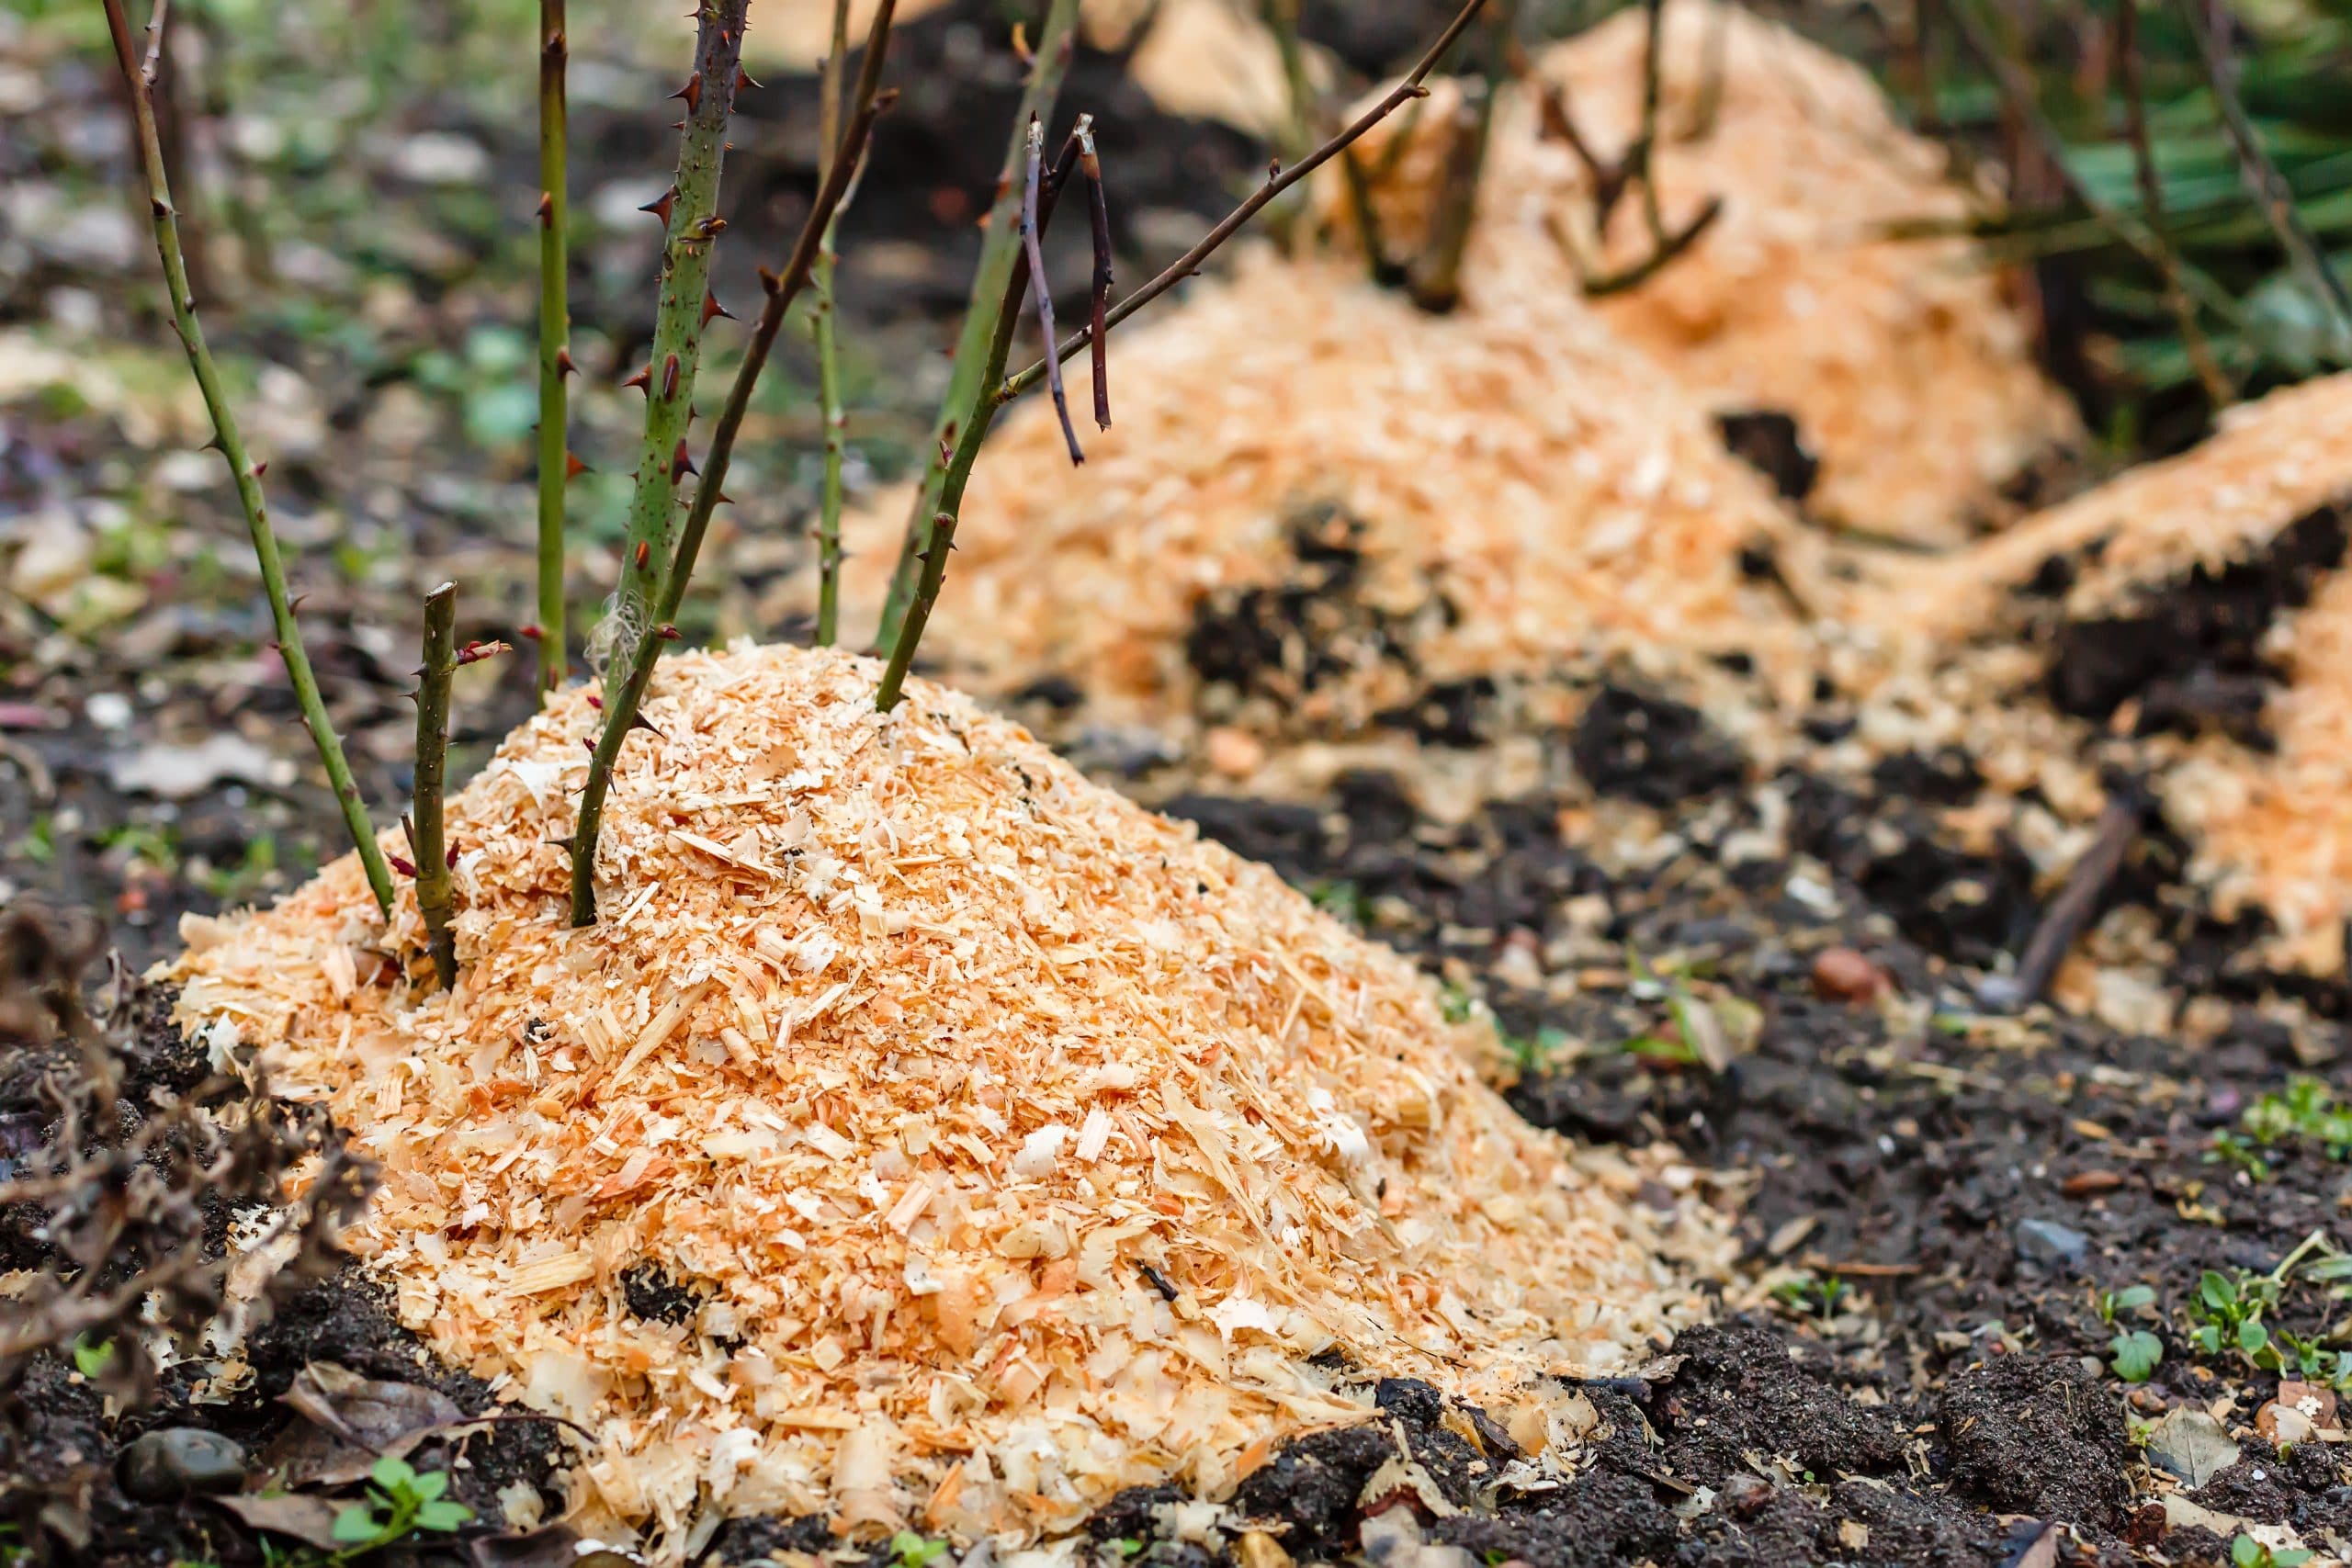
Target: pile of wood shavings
x=2272, y=829
x=2270, y=463
x=1014, y=1146
x=1908, y=373
x=1523, y=488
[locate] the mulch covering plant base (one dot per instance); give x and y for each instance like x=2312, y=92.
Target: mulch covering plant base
x=1006, y=1145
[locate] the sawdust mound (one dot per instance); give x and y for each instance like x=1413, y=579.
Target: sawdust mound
x=925, y=1131
x=2221, y=566
x=1909, y=376
x=1317, y=493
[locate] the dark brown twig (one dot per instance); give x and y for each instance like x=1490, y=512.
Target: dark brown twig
x=1098, y=212
x=1041, y=287
x=2072, y=907
x=1231, y=224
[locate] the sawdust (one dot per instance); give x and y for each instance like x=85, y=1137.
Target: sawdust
x=1481, y=495
x=924, y=1064
x=1908, y=373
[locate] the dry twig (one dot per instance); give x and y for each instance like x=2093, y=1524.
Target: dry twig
x=999, y=251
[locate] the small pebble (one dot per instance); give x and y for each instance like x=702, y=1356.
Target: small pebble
x=178, y=1460
x=1235, y=753
x=1842, y=975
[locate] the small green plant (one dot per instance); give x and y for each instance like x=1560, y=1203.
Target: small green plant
x=1337, y=896
x=909, y=1550
x=1458, y=1003
x=2307, y=1112
x=2136, y=1351
x=2227, y=1311
x=2247, y=1553
x=2236, y=1149
x=399, y=1501
x=92, y=1360
x=1807, y=1296
x=1537, y=1052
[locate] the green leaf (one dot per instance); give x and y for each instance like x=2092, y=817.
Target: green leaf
x=429, y=1485
x=2136, y=1355
x=442, y=1516
x=2215, y=1291
x=2131, y=1298
x=357, y=1523
x=2292, y=1557
x=2252, y=1336
x=92, y=1360
x=392, y=1475
x=2245, y=1551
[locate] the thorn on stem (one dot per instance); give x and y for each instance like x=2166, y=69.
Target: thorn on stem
x=573, y=467
x=644, y=555
x=669, y=377
x=711, y=307
x=547, y=210
x=661, y=206
x=691, y=92
x=680, y=465
x=563, y=364
x=643, y=380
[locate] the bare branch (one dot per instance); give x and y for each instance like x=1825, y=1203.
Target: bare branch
x=1231, y=224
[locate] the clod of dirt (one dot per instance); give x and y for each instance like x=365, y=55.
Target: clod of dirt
x=2193, y=653
x=1738, y=1391
x=1766, y=439
x=1649, y=747
x=2037, y=1435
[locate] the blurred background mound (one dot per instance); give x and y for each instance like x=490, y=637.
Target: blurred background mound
x=1319, y=505
x=1908, y=375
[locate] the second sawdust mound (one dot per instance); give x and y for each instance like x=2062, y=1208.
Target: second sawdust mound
x=2202, y=584
x=1331, y=501
x=1909, y=375
x=996, y=1144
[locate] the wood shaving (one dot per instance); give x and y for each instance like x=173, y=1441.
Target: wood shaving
x=1001, y=1039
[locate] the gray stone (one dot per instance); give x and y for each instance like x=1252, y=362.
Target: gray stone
x=178, y=1460
x=2048, y=1242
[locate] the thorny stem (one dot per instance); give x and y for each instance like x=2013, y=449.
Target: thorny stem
x=1231, y=224
x=999, y=246
x=976, y=418
x=435, y=898
x=622, y=706
x=827, y=329
x=2272, y=194
x=1041, y=287
x=689, y=210
x=139, y=78
x=555, y=343
x=2210, y=374
x=867, y=102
